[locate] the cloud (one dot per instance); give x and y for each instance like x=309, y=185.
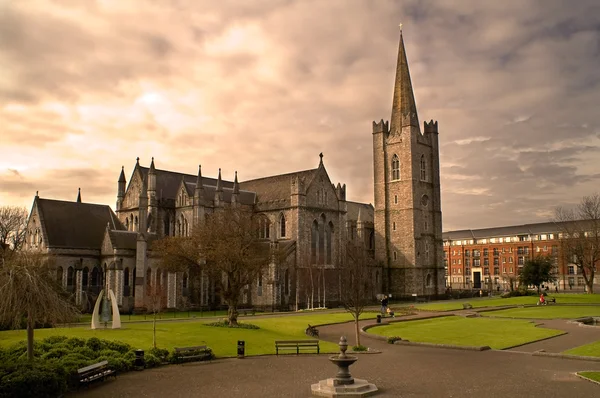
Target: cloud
x=264, y=87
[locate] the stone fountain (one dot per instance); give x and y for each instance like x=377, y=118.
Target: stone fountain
x=343, y=384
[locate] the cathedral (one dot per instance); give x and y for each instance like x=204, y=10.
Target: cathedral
x=303, y=214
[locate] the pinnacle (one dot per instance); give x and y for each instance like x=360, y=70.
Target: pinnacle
x=404, y=109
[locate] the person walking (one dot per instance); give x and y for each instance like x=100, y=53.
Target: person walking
x=384, y=304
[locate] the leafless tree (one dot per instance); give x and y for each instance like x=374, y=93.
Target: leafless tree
x=511, y=280
x=13, y=224
x=227, y=247
x=29, y=292
x=357, y=282
x=154, y=303
x=580, y=237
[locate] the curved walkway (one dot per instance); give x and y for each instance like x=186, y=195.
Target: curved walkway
x=398, y=371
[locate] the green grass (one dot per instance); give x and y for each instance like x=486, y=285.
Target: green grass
x=588, y=350
x=223, y=341
x=591, y=375
x=476, y=302
x=496, y=333
x=546, y=312
x=87, y=318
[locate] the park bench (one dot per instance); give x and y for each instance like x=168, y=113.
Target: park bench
x=551, y=300
x=97, y=371
x=312, y=331
x=296, y=345
x=200, y=352
x=467, y=306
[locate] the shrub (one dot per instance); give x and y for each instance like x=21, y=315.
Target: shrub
x=85, y=351
x=118, y=346
x=95, y=343
x=393, y=339
x=225, y=324
x=359, y=348
x=75, y=342
x=57, y=352
x=151, y=361
x=159, y=353
x=39, y=380
x=176, y=357
x=53, y=340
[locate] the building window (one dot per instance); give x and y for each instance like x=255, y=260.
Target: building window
x=496, y=271
x=580, y=281
x=282, y=226
x=84, y=276
x=486, y=261
x=394, y=226
x=395, y=168
x=496, y=261
x=571, y=270
x=521, y=260
x=476, y=262
x=510, y=260
x=467, y=262
x=395, y=199
x=486, y=252
x=467, y=253
x=260, y=284
x=395, y=256
x=496, y=253
x=423, y=168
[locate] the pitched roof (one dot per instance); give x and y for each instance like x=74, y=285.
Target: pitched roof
x=123, y=239
x=76, y=225
x=366, y=211
x=276, y=187
x=167, y=182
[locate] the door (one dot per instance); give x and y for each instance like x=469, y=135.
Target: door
x=477, y=280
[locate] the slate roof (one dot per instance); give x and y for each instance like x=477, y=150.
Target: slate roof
x=76, y=225
x=276, y=187
x=512, y=230
x=366, y=211
x=167, y=183
x=123, y=239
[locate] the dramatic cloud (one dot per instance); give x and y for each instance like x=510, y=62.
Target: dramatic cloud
x=263, y=87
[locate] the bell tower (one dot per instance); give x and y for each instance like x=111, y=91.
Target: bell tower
x=408, y=216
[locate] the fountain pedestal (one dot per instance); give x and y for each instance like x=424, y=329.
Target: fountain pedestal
x=343, y=384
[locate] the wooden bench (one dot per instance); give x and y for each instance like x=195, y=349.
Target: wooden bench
x=467, y=306
x=97, y=371
x=312, y=331
x=200, y=352
x=296, y=345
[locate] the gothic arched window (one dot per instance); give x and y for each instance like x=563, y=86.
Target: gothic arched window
x=282, y=226
x=126, y=277
x=423, y=168
x=328, y=243
x=85, y=273
x=59, y=275
x=70, y=276
x=395, y=168
x=314, y=241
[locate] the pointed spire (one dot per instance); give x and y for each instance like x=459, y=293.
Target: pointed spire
x=122, y=176
x=219, y=185
x=404, y=109
x=236, y=187
x=321, y=159
x=137, y=161
x=152, y=168
x=37, y=194
x=199, y=178
x=79, y=196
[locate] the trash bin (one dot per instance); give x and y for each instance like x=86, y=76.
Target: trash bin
x=139, y=362
x=378, y=318
x=241, y=348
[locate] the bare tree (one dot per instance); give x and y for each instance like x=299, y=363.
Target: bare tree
x=29, y=292
x=154, y=304
x=13, y=224
x=511, y=280
x=580, y=237
x=357, y=282
x=227, y=247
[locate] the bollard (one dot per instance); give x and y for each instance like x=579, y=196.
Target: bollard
x=241, y=348
x=139, y=360
x=378, y=318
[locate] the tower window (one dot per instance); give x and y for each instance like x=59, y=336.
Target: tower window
x=395, y=168
x=423, y=168
x=394, y=226
x=395, y=256
x=395, y=199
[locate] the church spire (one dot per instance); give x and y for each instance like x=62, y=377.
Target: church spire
x=79, y=195
x=219, y=183
x=404, y=109
x=199, y=178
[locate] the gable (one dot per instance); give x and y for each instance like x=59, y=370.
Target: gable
x=320, y=191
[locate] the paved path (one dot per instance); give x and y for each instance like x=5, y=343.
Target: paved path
x=399, y=371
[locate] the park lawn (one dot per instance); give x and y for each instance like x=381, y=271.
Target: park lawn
x=588, y=350
x=477, y=302
x=495, y=333
x=223, y=341
x=591, y=375
x=546, y=312
x=87, y=318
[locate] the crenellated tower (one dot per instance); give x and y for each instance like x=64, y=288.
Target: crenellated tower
x=408, y=228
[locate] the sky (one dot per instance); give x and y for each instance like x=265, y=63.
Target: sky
x=262, y=87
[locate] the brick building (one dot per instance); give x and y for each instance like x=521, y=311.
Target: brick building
x=491, y=257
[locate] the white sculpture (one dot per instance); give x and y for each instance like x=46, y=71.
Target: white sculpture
x=116, y=316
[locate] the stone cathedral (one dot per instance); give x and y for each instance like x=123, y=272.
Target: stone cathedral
x=304, y=214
